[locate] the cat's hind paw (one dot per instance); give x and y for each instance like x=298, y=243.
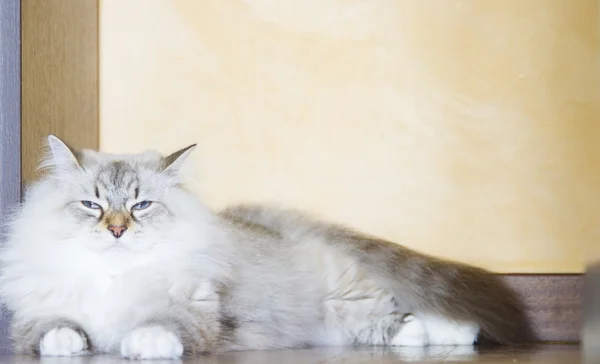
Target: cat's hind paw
x=63, y=341
x=442, y=331
x=412, y=333
x=153, y=342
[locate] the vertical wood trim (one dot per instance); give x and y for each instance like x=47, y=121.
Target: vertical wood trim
x=59, y=76
x=10, y=124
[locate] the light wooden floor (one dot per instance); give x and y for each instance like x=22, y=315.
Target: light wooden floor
x=550, y=354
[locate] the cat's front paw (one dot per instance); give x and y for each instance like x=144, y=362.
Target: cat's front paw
x=63, y=341
x=153, y=342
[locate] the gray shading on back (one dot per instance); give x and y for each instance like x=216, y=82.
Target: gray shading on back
x=10, y=124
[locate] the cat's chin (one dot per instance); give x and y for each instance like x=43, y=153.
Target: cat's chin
x=118, y=247
x=110, y=246
x=126, y=246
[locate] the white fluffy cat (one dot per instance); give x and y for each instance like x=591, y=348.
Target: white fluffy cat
x=112, y=254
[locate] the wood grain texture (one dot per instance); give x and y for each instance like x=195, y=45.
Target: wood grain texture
x=60, y=76
x=450, y=127
x=553, y=303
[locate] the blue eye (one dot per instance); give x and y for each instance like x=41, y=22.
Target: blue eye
x=142, y=205
x=91, y=205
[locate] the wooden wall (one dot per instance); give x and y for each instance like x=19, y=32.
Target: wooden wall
x=465, y=129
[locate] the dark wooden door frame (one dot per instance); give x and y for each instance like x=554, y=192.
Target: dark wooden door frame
x=10, y=122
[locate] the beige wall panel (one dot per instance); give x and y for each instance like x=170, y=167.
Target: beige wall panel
x=59, y=76
x=466, y=129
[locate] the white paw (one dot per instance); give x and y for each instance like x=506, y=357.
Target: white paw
x=153, y=342
x=444, y=332
x=62, y=342
x=412, y=333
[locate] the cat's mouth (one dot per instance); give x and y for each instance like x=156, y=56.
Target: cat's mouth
x=126, y=246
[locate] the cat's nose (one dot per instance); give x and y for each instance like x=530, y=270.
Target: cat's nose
x=117, y=230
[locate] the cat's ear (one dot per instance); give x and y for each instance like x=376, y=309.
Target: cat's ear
x=60, y=155
x=174, y=162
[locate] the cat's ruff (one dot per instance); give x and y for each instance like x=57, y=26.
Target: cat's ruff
x=113, y=254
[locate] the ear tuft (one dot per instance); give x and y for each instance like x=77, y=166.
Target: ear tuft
x=60, y=155
x=174, y=162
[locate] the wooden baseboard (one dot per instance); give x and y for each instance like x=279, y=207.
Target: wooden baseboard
x=553, y=303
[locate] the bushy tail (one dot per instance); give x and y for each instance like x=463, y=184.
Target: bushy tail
x=453, y=290
x=421, y=283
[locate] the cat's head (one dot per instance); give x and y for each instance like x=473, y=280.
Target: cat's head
x=111, y=202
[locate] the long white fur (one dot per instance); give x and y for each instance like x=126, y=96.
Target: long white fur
x=51, y=267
